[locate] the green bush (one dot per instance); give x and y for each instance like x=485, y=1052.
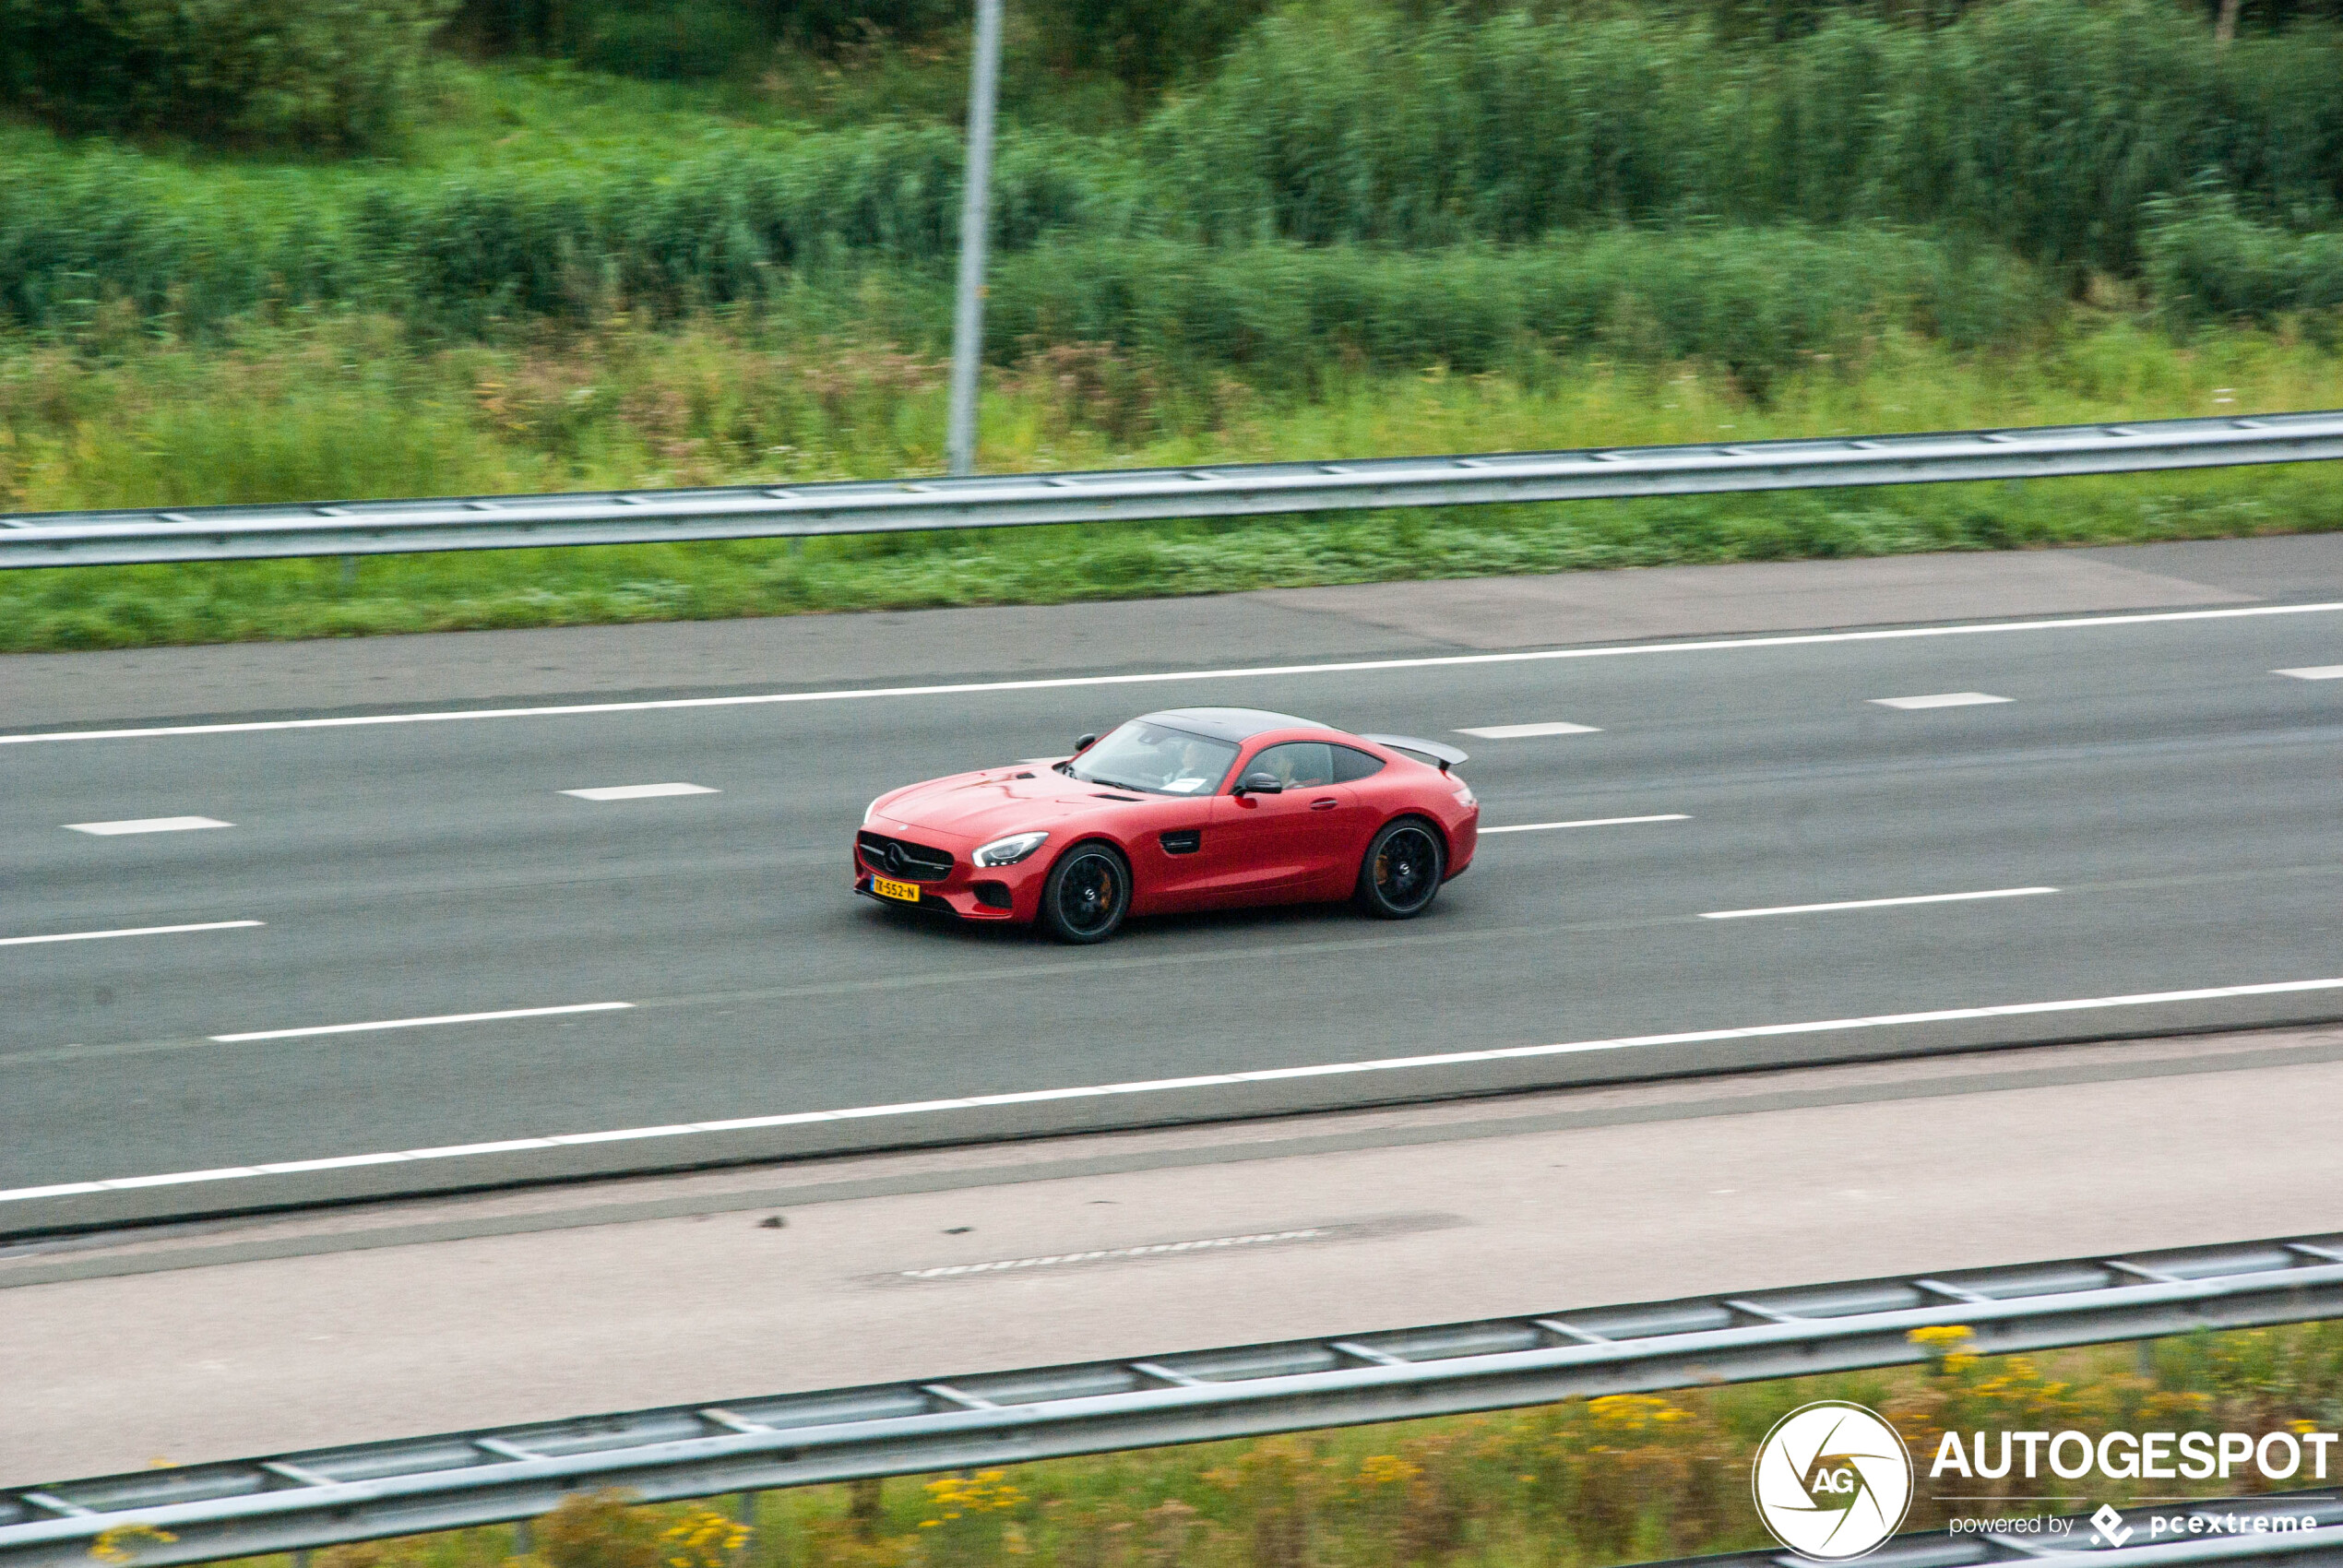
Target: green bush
x=458, y=253
x=2208, y=262
x=860, y=228
x=2045, y=125
x=1147, y=43
x=1753, y=301
x=686, y=40
x=668, y=39
x=2056, y=131
x=330, y=72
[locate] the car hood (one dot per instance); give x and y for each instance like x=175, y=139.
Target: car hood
x=990, y=803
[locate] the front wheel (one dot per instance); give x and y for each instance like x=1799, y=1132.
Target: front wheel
x=1402, y=872
x=1088, y=892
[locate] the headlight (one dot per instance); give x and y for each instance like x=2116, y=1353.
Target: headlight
x=1008, y=851
x=868, y=810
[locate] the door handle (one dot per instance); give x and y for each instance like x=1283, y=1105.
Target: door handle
x=1325, y=805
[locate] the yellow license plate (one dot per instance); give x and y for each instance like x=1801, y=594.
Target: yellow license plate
x=909, y=892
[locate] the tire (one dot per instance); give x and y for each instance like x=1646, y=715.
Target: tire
x=1403, y=870
x=1087, y=894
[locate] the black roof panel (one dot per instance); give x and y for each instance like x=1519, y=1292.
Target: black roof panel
x=1229, y=723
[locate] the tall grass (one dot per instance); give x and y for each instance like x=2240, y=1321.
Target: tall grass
x=454, y=252
x=2057, y=131
x=849, y=233
x=1756, y=301
x=2044, y=125
x=308, y=412
x=2208, y=262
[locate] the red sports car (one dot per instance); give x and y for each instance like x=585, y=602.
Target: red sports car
x=1193, y=808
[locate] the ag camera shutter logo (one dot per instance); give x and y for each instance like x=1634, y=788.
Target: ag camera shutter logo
x=1832, y=1480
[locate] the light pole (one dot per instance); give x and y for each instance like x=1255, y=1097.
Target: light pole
x=968, y=312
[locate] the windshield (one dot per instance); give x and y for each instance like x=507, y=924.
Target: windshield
x=1155, y=758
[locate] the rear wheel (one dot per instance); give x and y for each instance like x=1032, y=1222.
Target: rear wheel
x=1401, y=874
x=1088, y=892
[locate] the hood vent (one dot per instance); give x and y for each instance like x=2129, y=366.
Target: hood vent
x=1097, y=795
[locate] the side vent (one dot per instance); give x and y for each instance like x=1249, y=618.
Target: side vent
x=1184, y=841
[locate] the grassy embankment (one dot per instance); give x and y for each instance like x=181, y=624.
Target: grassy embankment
x=346, y=412
x=1578, y=1485
x=1358, y=238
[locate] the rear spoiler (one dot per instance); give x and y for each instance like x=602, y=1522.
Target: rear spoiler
x=1442, y=755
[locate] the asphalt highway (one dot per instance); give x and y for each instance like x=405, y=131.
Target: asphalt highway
x=2150, y=806
x=270, y=1333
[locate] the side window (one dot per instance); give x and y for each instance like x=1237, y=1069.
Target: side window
x=1297, y=764
x=1351, y=764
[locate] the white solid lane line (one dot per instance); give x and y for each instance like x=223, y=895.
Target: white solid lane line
x=419, y=1023
x=1589, y=822
x=147, y=824
x=1066, y=683
x=640, y=792
x=1941, y=699
x=1523, y=731
x=2315, y=672
x=1215, y=1080
x=133, y=930
x=1876, y=903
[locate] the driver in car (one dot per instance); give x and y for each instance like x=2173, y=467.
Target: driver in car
x=1193, y=771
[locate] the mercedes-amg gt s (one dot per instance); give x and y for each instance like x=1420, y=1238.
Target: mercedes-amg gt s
x=1192, y=808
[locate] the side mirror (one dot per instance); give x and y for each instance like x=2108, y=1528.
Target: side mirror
x=1085, y=743
x=1259, y=784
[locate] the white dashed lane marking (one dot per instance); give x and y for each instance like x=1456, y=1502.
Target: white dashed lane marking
x=131, y=930
x=1876, y=903
x=422, y=1022
x=639, y=791
x=1589, y=822
x=1524, y=731
x=1941, y=699
x=2315, y=672
x=147, y=824
x=1114, y=1254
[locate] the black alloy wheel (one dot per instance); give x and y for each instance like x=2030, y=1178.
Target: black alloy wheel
x=1087, y=895
x=1402, y=872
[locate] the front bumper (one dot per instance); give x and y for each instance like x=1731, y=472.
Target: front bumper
x=996, y=893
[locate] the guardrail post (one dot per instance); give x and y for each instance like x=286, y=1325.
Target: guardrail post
x=862, y=1500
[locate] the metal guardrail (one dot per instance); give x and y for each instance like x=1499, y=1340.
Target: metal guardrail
x=358, y=528
x=300, y=1500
